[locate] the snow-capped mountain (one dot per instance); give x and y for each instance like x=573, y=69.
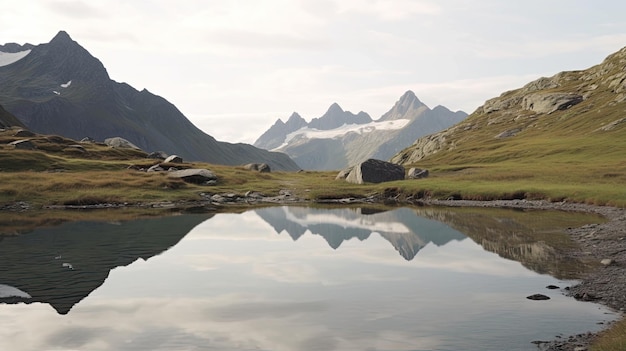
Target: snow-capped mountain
x=340, y=138
x=60, y=88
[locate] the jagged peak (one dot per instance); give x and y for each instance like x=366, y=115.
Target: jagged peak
x=61, y=37
x=295, y=117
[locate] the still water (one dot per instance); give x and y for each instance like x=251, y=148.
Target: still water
x=293, y=278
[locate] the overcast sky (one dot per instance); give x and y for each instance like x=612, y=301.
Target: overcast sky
x=234, y=66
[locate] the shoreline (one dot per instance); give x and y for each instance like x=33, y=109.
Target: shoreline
x=603, y=243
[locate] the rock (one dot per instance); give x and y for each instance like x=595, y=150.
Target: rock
x=552, y=287
x=259, y=167
x=606, y=262
x=174, y=159
x=550, y=102
x=77, y=147
x=375, y=171
x=156, y=168
x=538, y=297
x=120, y=143
x=87, y=140
x=159, y=155
x=417, y=173
x=343, y=174
x=23, y=133
x=194, y=175
x=508, y=133
x=23, y=144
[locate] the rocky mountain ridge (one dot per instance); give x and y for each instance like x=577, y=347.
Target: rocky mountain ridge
x=569, y=104
x=60, y=88
x=340, y=138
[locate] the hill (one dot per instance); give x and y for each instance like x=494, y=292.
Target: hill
x=60, y=88
x=565, y=130
x=341, y=138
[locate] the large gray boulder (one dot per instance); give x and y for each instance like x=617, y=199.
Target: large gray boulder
x=24, y=144
x=375, y=171
x=195, y=175
x=173, y=159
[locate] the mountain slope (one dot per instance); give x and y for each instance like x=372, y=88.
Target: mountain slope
x=340, y=138
x=570, y=122
x=59, y=88
x=8, y=120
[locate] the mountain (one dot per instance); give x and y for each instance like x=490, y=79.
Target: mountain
x=60, y=88
x=8, y=120
x=405, y=231
x=61, y=265
x=340, y=138
x=571, y=118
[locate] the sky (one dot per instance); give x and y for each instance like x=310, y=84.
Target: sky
x=233, y=67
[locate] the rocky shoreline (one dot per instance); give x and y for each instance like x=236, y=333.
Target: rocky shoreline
x=604, y=243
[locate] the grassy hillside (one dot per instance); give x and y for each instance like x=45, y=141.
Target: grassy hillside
x=577, y=152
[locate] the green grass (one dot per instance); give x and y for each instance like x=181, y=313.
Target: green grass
x=613, y=339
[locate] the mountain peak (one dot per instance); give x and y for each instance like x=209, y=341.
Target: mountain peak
x=407, y=104
x=334, y=108
x=61, y=37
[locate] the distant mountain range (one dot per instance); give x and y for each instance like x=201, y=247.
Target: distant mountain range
x=60, y=88
x=405, y=231
x=341, y=138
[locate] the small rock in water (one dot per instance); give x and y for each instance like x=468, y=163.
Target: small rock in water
x=552, y=287
x=538, y=297
x=606, y=262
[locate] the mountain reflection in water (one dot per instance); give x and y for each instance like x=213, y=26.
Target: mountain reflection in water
x=236, y=282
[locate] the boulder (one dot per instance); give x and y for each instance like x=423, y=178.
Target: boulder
x=259, y=167
x=195, y=175
x=343, y=174
x=23, y=144
x=538, y=297
x=417, y=173
x=550, y=102
x=156, y=168
x=159, y=155
x=174, y=159
x=375, y=171
x=87, y=140
x=120, y=143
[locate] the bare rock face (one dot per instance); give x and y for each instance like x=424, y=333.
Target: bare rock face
x=546, y=102
x=375, y=171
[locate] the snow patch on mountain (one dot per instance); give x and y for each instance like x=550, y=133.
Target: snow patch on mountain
x=65, y=85
x=312, y=133
x=7, y=58
x=10, y=291
x=359, y=222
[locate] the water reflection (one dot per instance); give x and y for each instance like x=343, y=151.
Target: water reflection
x=62, y=265
x=236, y=282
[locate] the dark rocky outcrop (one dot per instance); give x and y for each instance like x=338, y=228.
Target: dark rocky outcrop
x=7, y=120
x=23, y=144
x=375, y=171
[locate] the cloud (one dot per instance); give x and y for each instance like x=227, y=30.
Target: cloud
x=76, y=9
x=388, y=10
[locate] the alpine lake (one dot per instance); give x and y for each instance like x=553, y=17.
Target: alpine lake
x=296, y=278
